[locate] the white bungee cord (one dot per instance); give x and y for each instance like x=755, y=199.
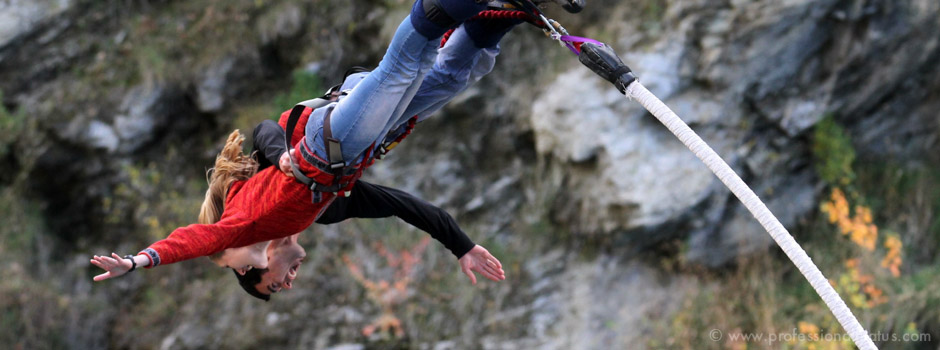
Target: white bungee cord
x=604, y=61
x=757, y=208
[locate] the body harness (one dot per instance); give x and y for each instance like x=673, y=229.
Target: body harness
x=333, y=174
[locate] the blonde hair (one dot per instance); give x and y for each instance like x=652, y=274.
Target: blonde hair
x=230, y=165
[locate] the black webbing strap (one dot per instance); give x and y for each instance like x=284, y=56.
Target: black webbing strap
x=334, y=151
x=434, y=12
x=292, y=120
x=527, y=7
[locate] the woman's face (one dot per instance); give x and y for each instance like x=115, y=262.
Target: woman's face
x=242, y=259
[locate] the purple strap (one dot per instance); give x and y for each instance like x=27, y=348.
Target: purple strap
x=568, y=39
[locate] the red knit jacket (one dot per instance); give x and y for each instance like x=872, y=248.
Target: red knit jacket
x=267, y=206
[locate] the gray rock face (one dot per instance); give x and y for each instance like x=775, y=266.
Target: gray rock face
x=526, y=150
x=582, y=313
x=103, y=136
x=280, y=23
x=147, y=112
x=722, y=68
x=225, y=79
x=18, y=17
x=640, y=175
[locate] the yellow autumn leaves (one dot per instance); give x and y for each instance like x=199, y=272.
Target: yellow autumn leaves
x=892, y=260
x=860, y=288
x=859, y=227
x=861, y=230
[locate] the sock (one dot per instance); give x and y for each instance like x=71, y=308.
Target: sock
x=432, y=18
x=486, y=33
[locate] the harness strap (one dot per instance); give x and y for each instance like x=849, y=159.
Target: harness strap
x=384, y=147
x=434, y=11
x=334, y=150
x=292, y=120
x=320, y=163
x=334, y=165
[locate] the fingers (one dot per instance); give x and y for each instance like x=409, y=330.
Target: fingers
x=469, y=273
x=102, y=277
x=494, y=266
x=284, y=163
x=103, y=262
x=488, y=269
x=488, y=274
x=98, y=263
x=492, y=259
x=486, y=256
x=492, y=273
x=286, y=169
x=109, y=264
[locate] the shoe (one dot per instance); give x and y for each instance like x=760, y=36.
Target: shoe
x=572, y=6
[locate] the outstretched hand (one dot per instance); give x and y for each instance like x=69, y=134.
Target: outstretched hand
x=114, y=265
x=480, y=260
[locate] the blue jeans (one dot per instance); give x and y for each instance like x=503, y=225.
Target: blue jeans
x=412, y=79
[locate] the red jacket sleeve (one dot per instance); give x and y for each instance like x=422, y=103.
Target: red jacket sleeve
x=197, y=240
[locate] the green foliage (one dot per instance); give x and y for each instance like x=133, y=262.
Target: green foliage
x=155, y=199
x=304, y=86
x=651, y=13
x=22, y=222
x=833, y=153
x=172, y=41
x=12, y=123
x=653, y=10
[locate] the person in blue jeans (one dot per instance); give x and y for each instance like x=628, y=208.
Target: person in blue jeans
x=416, y=83
x=414, y=78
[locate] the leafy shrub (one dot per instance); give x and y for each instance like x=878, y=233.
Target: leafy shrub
x=833, y=152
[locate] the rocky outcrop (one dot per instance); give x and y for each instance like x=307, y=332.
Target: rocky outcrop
x=751, y=79
x=540, y=160
x=18, y=18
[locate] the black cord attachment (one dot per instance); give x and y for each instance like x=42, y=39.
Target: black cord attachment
x=604, y=61
x=133, y=262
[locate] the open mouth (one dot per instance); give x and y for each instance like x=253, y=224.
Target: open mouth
x=292, y=272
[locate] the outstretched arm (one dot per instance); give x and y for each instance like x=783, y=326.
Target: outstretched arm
x=374, y=201
x=184, y=243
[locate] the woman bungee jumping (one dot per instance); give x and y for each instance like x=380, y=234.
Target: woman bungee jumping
x=342, y=138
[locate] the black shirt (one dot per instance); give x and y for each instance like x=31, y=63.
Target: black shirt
x=370, y=200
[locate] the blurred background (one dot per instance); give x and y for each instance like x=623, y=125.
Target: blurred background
x=612, y=234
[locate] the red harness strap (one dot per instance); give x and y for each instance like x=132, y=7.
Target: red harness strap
x=317, y=174
x=332, y=174
x=499, y=14
x=384, y=148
